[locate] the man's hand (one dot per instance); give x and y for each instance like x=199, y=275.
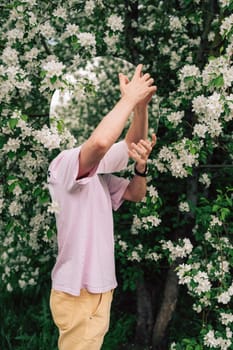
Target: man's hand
x=140, y=152
x=140, y=89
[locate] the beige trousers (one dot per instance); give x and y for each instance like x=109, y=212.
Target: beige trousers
x=82, y=320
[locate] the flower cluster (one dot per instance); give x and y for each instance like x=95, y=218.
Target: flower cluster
x=180, y=250
x=25, y=202
x=178, y=158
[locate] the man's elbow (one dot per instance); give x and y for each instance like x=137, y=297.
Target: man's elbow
x=100, y=146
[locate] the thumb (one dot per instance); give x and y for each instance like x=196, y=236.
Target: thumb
x=123, y=79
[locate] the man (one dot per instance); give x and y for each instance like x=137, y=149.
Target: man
x=82, y=184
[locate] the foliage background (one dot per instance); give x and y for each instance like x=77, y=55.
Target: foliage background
x=173, y=250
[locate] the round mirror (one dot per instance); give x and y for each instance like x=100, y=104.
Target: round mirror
x=92, y=91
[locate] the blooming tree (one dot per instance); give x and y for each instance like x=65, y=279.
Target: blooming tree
x=184, y=225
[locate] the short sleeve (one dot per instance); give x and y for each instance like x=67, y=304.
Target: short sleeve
x=116, y=159
x=63, y=170
x=116, y=186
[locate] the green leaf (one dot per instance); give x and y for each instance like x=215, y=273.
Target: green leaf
x=24, y=117
x=224, y=213
x=43, y=74
x=198, y=347
x=50, y=234
x=12, y=186
x=13, y=122
x=218, y=82
x=53, y=79
x=60, y=125
x=187, y=79
x=37, y=191
x=44, y=199
x=215, y=208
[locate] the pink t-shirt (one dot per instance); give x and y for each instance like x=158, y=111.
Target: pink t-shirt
x=85, y=221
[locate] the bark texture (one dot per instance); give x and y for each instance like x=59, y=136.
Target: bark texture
x=144, y=315
x=166, y=311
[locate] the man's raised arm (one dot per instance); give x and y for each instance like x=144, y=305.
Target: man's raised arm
x=139, y=126
x=111, y=126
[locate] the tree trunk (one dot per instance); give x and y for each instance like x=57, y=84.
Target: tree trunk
x=144, y=315
x=166, y=310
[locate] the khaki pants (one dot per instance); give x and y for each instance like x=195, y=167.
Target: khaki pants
x=82, y=320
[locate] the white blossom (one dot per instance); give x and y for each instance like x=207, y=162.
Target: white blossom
x=111, y=41
x=226, y=25
x=211, y=36
x=224, y=298
x=205, y=179
x=10, y=56
x=226, y=318
x=48, y=137
x=153, y=193
x=53, y=68
x=136, y=224
x=89, y=7
x=60, y=12
x=181, y=250
x=154, y=221
x=17, y=190
x=184, y=207
x=200, y=130
x=22, y=283
x=178, y=158
x=203, y=283
x=175, y=23
x=87, y=39
x=210, y=340
x=224, y=3
x=115, y=23
x=134, y=256
x=153, y=256
x=197, y=308
x=47, y=30
x=14, y=34
x=1, y=204
x=123, y=245
x=189, y=71
x=173, y=346
x=70, y=30
x=53, y=208
x=175, y=118
x=183, y=273
x=9, y=287
x=215, y=221
x=13, y=144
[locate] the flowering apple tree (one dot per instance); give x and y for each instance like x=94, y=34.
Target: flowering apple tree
x=178, y=241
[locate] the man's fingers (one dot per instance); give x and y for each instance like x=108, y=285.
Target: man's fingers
x=150, y=81
x=146, y=76
x=143, y=148
x=123, y=78
x=152, y=89
x=153, y=140
x=138, y=71
x=134, y=155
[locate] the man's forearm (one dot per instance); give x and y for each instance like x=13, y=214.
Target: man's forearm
x=139, y=126
x=136, y=189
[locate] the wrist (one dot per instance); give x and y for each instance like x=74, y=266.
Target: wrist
x=141, y=107
x=130, y=101
x=141, y=110
x=140, y=171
